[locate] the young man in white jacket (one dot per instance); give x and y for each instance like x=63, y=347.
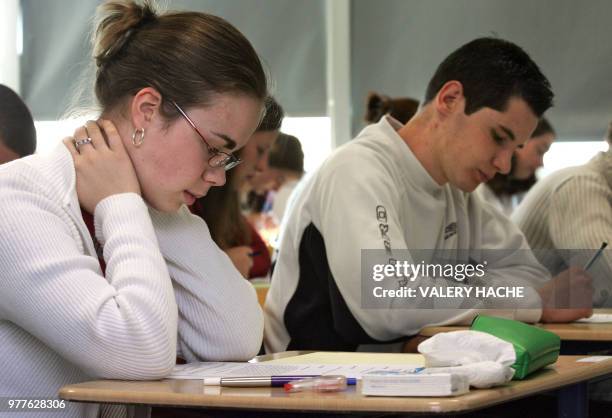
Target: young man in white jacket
x=406, y=187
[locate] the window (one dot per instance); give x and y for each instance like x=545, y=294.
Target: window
x=50, y=133
x=569, y=153
x=314, y=134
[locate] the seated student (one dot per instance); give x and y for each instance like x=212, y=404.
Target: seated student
x=571, y=210
x=98, y=248
x=505, y=191
x=407, y=186
x=400, y=108
x=285, y=169
x=286, y=162
x=17, y=131
x=221, y=206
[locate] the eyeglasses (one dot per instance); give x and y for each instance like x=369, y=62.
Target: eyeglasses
x=217, y=158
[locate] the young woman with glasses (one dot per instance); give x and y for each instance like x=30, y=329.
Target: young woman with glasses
x=105, y=272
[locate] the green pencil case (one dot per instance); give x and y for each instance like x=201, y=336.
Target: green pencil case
x=534, y=347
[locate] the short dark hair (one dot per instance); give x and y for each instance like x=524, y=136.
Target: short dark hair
x=286, y=154
x=492, y=71
x=273, y=118
x=17, y=129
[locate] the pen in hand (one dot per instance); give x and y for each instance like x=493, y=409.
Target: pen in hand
x=603, y=294
x=595, y=256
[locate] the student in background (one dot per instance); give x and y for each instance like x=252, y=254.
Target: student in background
x=571, y=209
x=17, y=131
x=505, y=191
x=286, y=162
x=406, y=187
x=98, y=246
x=400, y=108
x=221, y=207
x=281, y=173
x=255, y=153
x=253, y=193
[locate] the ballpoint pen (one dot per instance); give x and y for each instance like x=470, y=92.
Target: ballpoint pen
x=595, y=256
x=603, y=293
x=259, y=381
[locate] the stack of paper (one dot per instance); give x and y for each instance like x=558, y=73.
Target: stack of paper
x=410, y=384
x=222, y=369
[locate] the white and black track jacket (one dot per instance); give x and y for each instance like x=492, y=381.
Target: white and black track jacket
x=315, y=297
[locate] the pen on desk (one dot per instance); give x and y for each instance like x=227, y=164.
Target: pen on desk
x=595, y=256
x=260, y=381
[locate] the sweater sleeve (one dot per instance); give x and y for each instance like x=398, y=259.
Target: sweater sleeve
x=219, y=315
x=580, y=218
x=122, y=326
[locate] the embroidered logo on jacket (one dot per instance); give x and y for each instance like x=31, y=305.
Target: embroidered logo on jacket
x=450, y=230
x=383, y=226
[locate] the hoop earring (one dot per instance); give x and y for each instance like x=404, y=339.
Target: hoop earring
x=138, y=137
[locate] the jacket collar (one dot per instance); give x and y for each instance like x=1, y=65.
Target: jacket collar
x=409, y=165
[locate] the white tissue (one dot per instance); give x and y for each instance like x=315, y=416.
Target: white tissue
x=484, y=374
x=483, y=358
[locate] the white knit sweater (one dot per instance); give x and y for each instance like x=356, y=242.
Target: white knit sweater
x=62, y=321
x=572, y=209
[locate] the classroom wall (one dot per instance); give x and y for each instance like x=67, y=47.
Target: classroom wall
x=395, y=47
x=288, y=34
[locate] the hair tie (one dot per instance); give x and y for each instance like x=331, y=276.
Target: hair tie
x=147, y=17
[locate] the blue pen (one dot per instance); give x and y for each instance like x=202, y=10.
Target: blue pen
x=261, y=381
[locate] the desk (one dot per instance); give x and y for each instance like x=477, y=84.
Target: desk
x=567, y=375
x=261, y=285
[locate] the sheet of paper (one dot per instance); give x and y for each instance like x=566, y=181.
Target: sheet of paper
x=221, y=369
x=349, y=358
x=593, y=359
x=597, y=318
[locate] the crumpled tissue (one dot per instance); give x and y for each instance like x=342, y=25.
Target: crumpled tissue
x=483, y=358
